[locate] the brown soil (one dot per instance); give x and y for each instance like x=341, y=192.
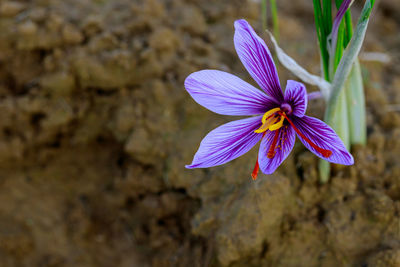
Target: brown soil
x=96, y=127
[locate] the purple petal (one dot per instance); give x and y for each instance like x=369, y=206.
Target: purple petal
x=296, y=97
x=314, y=95
x=255, y=56
x=324, y=137
x=226, y=94
x=227, y=142
x=284, y=145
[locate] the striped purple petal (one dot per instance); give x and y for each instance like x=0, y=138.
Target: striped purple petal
x=255, y=56
x=314, y=95
x=227, y=142
x=226, y=94
x=324, y=137
x=296, y=97
x=284, y=144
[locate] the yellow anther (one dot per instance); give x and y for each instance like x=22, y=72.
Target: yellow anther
x=270, y=121
x=269, y=113
x=262, y=129
x=266, y=125
x=277, y=125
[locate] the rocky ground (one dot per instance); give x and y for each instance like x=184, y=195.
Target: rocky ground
x=96, y=127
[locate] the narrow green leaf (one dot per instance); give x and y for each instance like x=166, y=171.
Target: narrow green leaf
x=339, y=48
x=264, y=14
x=342, y=72
x=318, y=16
x=322, y=38
x=349, y=28
x=327, y=16
x=348, y=58
x=274, y=15
x=338, y=3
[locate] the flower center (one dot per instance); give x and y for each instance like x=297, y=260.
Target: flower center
x=273, y=120
x=286, y=108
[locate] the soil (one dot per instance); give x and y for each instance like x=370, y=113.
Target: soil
x=96, y=127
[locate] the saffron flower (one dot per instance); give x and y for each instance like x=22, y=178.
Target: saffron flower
x=278, y=117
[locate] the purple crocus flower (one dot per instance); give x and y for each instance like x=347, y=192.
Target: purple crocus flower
x=278, y=117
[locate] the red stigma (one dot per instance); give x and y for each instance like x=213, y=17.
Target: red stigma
x=254, y=174
x=271, y=151
x=324, y=152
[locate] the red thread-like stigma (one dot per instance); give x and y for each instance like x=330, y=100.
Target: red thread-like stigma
x=254, y=174
x=271, y=151
x=324, y=152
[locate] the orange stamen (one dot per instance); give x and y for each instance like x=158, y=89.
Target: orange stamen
x=324, y=152
x=271, y=151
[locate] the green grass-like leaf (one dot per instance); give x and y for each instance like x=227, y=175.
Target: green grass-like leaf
x=349, y=56
x=355, y=109
x=322, y=36
x=274, y=15
x=264, y=14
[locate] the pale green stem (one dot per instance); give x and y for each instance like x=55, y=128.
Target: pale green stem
x=356, y=106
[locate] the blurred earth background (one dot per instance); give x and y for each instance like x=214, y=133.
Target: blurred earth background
x=96, y=127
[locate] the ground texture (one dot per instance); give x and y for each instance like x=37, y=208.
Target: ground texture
x=96, y=127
